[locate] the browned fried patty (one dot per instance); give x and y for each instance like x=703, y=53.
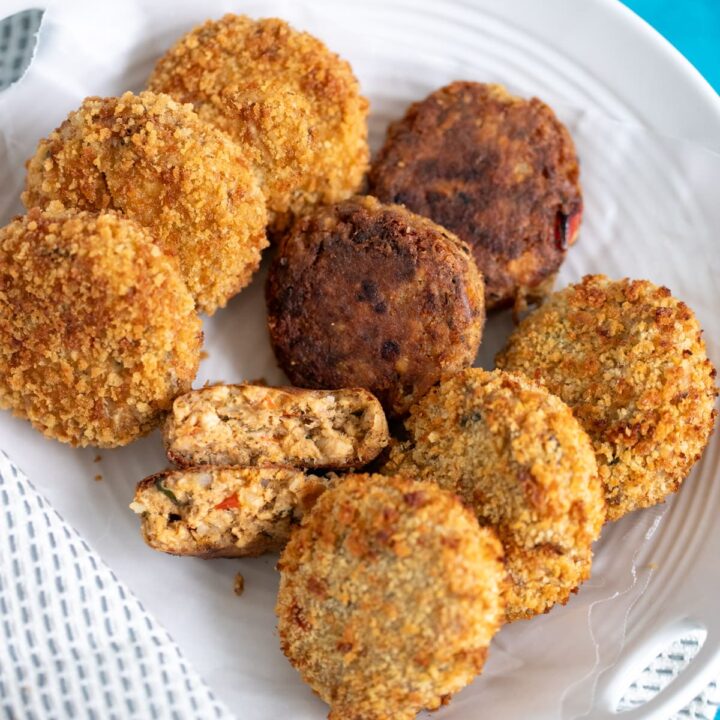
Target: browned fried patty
x=98, y=332
x=362, y=294
x=629, y=359
x=498, y=171
x=156, y=161
x=210, y=511
x=256, y=424
x=516, y=455
x=389, y=596
x=293, y=106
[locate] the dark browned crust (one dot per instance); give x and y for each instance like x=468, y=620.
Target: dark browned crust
x=499, y=171
x=366, y=295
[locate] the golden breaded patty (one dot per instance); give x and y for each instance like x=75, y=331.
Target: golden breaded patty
x=293, y=106
x=362, y=294
x=256, y=424
x=497, y=170
x=154, y=160
x=630, y=361
x=209, y=511
x=390, y=594
x=515, y=454
x=98, y=332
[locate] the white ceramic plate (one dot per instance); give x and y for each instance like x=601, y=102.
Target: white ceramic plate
x=648, y=215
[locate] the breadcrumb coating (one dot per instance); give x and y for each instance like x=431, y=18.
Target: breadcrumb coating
x=98, y=332
x=630, y=361
x=154, y=160
x=390, y=594
x=516, y=455
x=293, y=106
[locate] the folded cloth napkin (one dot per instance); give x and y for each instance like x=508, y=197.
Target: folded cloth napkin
x=74, y=641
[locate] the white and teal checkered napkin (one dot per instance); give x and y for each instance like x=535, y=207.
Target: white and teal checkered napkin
x=75, y=643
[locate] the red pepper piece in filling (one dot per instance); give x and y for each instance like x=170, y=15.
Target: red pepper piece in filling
x=231, y=501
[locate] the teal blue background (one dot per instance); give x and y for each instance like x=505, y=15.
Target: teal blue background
x=692, y=26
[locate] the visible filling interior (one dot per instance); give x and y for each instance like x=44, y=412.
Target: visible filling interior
x=246, y=423
x=216, y=509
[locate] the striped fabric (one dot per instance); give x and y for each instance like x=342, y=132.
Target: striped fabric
x=663, y=670
x=74, y=641
x=17, y=40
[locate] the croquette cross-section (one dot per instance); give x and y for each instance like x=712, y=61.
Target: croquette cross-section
x=210, y=511
x=630, y=361
x=98, y=332
x=292, y=105
x=154, y=160
x=515, y=454
x=254, y=424
x=390, y=594
x=362, y=294
x=498, y=171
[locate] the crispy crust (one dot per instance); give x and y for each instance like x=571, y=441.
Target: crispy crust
x=515, y=454
x=211, y=512
x=362, y=294
x=156, y=161
x=630, y=361
x=294, y=106
x=389, y=596
x=98, y=332
x=497, y=170
x=255, y=424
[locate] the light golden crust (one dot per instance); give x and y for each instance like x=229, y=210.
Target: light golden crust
x=389, y=596
x=294, y=106
x=515, y=454
x=629, y=359
x=154, y=160
x=498, y=171
x=256, y=424
x=209, y=511
x=98, y=332
x=362, y=294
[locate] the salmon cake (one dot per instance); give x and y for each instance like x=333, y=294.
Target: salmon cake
x=255, y=424
x=155, y=161
x=292, y=105
x=98, y=332
x=497, y=170
x=390, y=594
x=362, y=294
x=211, y=511
x=630, y=361
x=515, y=455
